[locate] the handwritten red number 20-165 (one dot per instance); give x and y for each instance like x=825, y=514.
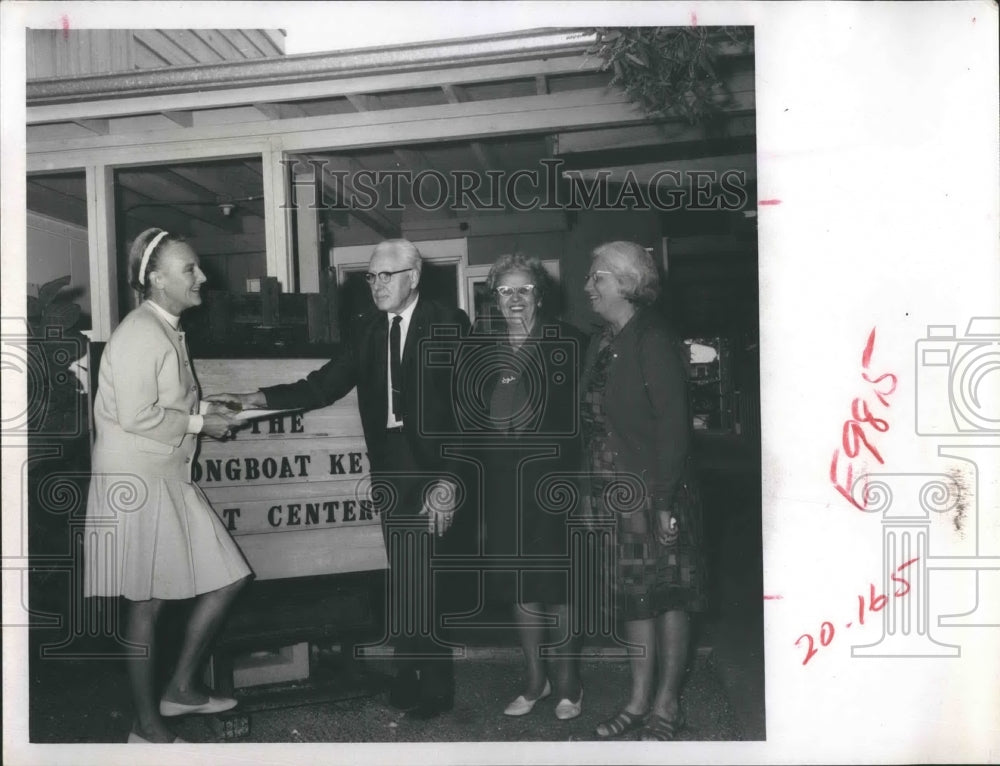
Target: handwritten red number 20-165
x=876, y=603
x=854, y=436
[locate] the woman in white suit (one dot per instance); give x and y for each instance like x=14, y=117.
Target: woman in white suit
x=168, y=544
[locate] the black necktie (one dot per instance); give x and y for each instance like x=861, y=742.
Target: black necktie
x=395, y=369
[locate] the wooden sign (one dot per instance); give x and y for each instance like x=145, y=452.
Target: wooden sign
x=292, y=490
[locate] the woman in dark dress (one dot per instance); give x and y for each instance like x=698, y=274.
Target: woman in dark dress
x=529, y=386
x=637, y=429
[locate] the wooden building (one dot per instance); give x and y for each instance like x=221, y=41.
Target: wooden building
x=58, y=53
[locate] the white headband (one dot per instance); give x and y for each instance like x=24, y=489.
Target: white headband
x=146, y=253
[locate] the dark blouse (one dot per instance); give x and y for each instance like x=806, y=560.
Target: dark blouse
x=530, y=395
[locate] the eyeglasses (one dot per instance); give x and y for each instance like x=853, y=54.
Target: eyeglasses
x=383, y=276
x=595, y=275
x=505, y=291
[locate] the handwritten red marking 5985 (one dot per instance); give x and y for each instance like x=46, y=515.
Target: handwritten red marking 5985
x=857, y=432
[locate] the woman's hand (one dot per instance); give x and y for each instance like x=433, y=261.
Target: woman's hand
x=667, y=530
x=238, y=402
x=219, y=426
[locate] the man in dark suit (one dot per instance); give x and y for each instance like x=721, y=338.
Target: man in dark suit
x=405, y=418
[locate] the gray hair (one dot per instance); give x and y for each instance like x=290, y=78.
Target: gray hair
x=634, y=268
x=401, y=247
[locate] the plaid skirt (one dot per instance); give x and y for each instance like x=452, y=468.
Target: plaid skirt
x=647, y=578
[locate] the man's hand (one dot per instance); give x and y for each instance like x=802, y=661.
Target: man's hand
x=439, y=506
x=219, y=426
x=218, y=408
x=238, y=402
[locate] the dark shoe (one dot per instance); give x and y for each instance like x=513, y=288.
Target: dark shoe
x=405, y=691
x=659, y=729
x=622, y=723
x=429, y=708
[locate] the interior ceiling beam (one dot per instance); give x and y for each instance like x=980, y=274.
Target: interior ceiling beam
x=100, y=126
x=162, y=217
x=745, y=163
x=384, y=128
x=167, y=187
x=484, y=156
x=342, y=190
x=144, y=201
x=405, y=158
x=604, y=139
x=55, y=202
x=280, y=111
x=270, y=111
x=362, y=102
x=183, y=117
x=223, y=185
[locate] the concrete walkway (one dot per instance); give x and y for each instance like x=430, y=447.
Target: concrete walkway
x=84, y=706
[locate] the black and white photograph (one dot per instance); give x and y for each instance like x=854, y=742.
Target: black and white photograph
x=401, y=379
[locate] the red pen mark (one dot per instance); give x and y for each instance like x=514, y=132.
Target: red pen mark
x=854, y=434
x=773, y=598
x=694, y=19
x=769, y=202
x=866, y=355
x=875, y=603
x=64, y=20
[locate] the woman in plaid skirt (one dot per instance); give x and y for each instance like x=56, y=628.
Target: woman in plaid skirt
x=637, y=430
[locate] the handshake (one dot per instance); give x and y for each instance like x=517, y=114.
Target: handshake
x=220, y=421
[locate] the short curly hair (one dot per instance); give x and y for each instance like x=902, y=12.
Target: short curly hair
x=635, y=269
x=135, y=253
x=529, y=264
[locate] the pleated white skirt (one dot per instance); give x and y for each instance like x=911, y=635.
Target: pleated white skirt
x=155, y=537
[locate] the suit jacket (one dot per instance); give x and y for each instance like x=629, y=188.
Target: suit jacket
x=645, y=404
x=428, y=412
x=146, y=393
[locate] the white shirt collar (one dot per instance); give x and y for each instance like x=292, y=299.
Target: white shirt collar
x=171, y=319
x=405, y=313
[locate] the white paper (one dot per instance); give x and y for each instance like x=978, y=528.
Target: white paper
x=255, y=414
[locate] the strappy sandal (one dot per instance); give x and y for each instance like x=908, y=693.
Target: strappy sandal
x=622, y=723
x=660, y=729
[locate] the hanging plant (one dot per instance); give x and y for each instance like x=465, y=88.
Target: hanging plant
x=672, y=71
